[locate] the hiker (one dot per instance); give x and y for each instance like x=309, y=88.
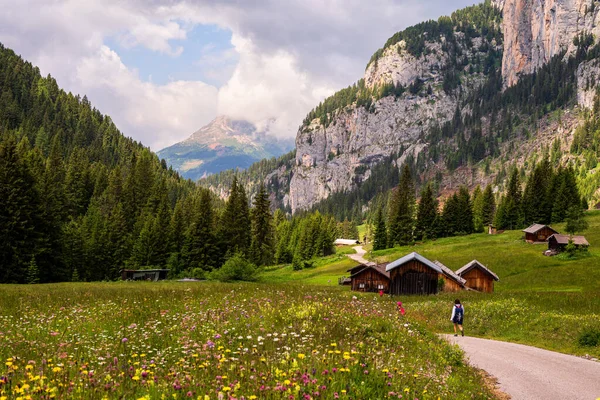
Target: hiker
x=458, y=312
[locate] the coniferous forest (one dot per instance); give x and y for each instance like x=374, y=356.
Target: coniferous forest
x=79, y=201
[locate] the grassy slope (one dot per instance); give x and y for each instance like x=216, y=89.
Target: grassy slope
x=543, y=301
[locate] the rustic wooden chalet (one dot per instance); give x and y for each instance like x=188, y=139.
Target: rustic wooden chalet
x=559, y=242
x=144, y=274
x=370, y=278
x=478, y=277
x=538, y=233
x=413, y=274
x=452, y=282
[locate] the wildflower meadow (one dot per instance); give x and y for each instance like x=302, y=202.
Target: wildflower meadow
x=173, y=340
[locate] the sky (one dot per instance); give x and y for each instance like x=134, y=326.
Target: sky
x=162, y=69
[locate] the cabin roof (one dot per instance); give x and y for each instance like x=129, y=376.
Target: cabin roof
x=410, y=257
x=449, y=273
x=346, y=242
x=475, y=264
x=564, y=239
x=537, y=227
x=380, y=268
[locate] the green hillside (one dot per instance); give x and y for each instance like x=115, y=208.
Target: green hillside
x=548, y=302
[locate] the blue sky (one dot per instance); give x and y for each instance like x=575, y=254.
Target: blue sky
x=207, y=55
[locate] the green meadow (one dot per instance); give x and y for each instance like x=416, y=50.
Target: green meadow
x=549, y=302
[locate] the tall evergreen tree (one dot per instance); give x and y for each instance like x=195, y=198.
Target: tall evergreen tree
x=261, y=248
x=200, y=249
x=235, y=226
x=380, y=239
x=488, y=210
x=402, y=206
x=427, y=213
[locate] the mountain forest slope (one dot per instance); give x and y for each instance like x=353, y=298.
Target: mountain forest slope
x=439, y=97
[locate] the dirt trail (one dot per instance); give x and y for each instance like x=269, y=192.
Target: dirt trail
x=526, y=372
x=358, y=257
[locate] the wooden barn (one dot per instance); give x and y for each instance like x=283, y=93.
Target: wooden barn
x=478, y=277
x=538, y=233
x=370, y=278
x=559, y=242
x=144, y=274
x=452, y=282
x=413, y=274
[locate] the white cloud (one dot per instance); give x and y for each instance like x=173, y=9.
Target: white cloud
x=291, y=54
x=164, y=113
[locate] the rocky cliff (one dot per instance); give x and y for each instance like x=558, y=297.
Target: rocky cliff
x=332, y=156
x=537, y=30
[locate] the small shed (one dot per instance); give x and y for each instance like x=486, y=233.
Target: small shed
x=478, y=277
x=413, y=274
x=452, y=282
x=538, y=233
x=492, y=230
x=559, y=242
x=346, y=242
x=144, y=274
x=371, y=278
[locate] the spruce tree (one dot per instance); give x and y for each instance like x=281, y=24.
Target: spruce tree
x=380, y=239
x=200, y=249
x=261, y=248
x=477, y=203
x=488, y=209
x=402, y=205
x=427, y=212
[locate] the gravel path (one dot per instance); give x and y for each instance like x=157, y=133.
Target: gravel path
x=358, y=257
x=526, y=372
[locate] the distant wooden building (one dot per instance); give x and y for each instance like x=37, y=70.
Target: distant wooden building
x=538, y=233
x=144, y=274
x=559, y=242
x=370, y=278
x=452, y=282
x=413, y=274
x=478, y=277
x=346, y=242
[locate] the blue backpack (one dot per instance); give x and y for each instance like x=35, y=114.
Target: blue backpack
x=459, y=312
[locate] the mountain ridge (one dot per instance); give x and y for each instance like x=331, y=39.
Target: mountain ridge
x=223, y=143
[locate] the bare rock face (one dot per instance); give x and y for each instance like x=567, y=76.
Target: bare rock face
x=398, y=66
x=588, y=78
x=537, y=30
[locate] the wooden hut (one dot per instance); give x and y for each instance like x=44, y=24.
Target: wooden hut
x=370, y=278
x=538, y=233
x=452, y=282
x=144, y=274
x=478, y=276
x=413, y=274
x=559, y=242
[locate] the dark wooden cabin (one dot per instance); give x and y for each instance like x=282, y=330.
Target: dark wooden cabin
x=144, y=274
x=478, y=277
x=452, y=282
x=413, y=274
x=370, y=278
x=559, y=242
x=538, y=233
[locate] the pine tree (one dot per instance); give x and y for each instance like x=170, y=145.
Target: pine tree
x=402, y=205
x=477, y=203
x=427, y=212
x=20, y=213
x=575, y=220
x=33, y=273
x=261, y=249
x=464, y=212
x=380, y=240
x=488, y=209
x=200, y=249
x=235, y=226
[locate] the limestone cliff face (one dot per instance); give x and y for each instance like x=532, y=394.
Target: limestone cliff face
x=588, y=79
x=330, y=157
x=537, y=30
